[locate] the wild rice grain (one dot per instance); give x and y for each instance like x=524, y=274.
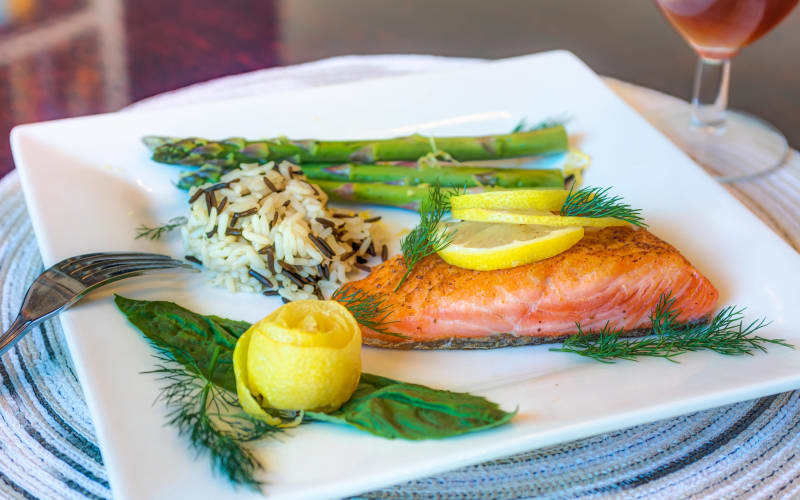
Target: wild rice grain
x=325, y=222
x=274, y=220
x=323, y=271
x=210, y=201
x=327, y=247
x=270, y=185
x=271, y=259
x=269, y=293
x=233, y=232
x=364, y=268
x=316, y=193
x=247, y=212
x=222, y=203
x=373, y=219
x=321, y=245
x=347, y=255
x=371, y=249
x=197, y=194
x=192, y=258
x=212, y=232
x=384, y=253
x=259, y=277
x=295, y=278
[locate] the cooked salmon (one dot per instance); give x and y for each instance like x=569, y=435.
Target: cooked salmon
x=614, y=275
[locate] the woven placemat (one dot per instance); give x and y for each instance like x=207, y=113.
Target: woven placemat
x=749, y=449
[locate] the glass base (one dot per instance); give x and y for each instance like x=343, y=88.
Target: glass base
x=743, y=148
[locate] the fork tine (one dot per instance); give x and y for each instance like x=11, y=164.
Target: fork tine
x=84, y=261
x=123, y=271
x=107, y=263
x=112, y=269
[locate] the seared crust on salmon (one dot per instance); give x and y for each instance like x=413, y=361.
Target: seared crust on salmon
x=614, y=275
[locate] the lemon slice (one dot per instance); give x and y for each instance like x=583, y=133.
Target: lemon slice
x=538, y=217
x=485, y=247
x=537, y=199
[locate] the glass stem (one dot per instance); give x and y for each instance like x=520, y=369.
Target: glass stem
x=710, y=94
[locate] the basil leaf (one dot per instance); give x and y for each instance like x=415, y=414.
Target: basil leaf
x=392, y=409
x=189, y=337
x=381, y=406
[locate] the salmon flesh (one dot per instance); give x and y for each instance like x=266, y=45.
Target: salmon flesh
x=615, y=275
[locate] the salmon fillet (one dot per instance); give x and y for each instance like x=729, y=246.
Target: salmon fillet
x=613, y=275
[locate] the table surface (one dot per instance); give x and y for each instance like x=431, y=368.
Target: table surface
x=62, y=58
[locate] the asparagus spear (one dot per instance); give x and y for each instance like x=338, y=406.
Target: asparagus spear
x=404, y=175
x=413, y=174
x=229, y=153
x=409, y=197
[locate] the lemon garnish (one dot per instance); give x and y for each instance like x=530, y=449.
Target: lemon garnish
x=485, y=247
x=306, y=355
x=536, y=199
x=538, y=217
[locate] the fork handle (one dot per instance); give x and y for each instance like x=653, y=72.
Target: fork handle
x=15, y=332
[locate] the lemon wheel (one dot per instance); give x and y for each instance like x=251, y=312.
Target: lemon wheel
x=537, y=199
x=536, y=217
x=485, y=247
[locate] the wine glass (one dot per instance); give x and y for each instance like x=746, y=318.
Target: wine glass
x=732, y=145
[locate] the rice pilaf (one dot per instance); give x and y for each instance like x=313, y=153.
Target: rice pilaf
x=265, y=228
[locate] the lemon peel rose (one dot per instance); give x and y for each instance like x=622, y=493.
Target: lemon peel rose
x=306, y=355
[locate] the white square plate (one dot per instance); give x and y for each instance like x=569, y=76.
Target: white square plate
x=89, y=182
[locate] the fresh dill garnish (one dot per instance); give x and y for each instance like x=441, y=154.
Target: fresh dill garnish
x=370, y=310
x=550, y=122
x=155, y=233
x=430, y=235
x=725, y=334
x=597, y=202
x=210, y=416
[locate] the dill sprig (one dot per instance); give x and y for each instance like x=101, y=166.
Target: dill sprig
x=370, y=310
x=597, y=202
x=725, y=334
x=155, y=233
x=210, y=416
x=430, y=235
x=550, y=122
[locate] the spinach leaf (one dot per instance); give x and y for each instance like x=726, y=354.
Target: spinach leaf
x=188, y=335
x=393, y=409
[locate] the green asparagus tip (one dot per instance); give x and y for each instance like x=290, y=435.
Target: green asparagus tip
x=154, y=141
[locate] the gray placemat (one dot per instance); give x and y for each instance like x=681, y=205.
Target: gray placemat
x=749, y=449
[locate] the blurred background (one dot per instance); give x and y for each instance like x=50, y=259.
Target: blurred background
x=62, y=58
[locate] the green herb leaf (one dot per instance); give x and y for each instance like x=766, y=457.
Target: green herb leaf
x=596, y=202
x=725, y=334
x=155, y=233
x=550, y=122
x=369, y=309
x=210, y=417
x=430, y=235
x=392, y=409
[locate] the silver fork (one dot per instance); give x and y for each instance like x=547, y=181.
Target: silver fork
x=70, y=280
